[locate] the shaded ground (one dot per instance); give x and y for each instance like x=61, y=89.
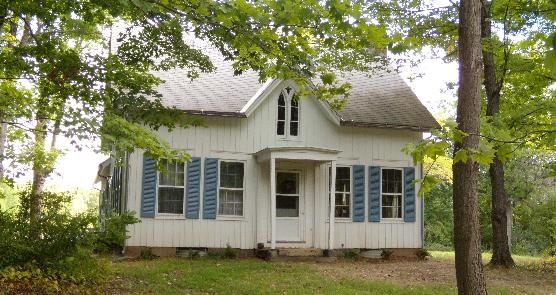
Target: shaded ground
x=526, y=278
x=252, y=276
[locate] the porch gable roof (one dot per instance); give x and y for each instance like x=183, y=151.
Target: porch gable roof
x=297, y=153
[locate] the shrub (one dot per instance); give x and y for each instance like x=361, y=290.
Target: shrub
x=147, y=254
x=422, y=254
x=386, y=254
x=229, y=252
x=551, y=251
x=351, y=255
x=59, y=243
x=112, y=233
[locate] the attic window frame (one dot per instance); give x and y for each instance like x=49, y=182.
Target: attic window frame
x=288, y=93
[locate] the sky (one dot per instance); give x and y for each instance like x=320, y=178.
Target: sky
x=77, y=169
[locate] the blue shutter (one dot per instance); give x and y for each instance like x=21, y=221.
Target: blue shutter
x=193, y=191
x=358, y=180
x=210, y=188
x=409, y=194
x=374, y=194
x=148, y=195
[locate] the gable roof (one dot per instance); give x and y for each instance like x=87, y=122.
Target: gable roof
x=380, y=99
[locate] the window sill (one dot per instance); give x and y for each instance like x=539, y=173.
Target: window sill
x=392, y=221
x=340, y=220
x=230, y=218
x=297, y=139
x=170, y=216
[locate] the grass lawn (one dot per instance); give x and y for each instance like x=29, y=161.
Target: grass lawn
x=253, y=276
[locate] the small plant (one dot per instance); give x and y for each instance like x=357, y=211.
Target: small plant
x=194, y=254
x=351, y=255
x=386, y=254
x=422, y=254
x=147, y=254
x=229, y=252
x=551, y=251
x=113, y=233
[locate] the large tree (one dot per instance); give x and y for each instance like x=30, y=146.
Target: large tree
x=83, y=87
x=467, y=238
x=516, y=39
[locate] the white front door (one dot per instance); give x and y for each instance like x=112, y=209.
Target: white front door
x=289, y=207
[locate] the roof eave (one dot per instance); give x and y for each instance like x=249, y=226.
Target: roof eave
x=215, y=113
x=351, y=123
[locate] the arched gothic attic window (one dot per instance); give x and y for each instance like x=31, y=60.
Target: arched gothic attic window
x=288, y=113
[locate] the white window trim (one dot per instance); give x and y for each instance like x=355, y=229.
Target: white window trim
x=171, y=215
x=288, y=99
x=340, y=219
x=392, y=220
x=231, y=217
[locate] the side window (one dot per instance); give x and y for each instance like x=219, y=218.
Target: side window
x=230, y=190
x=294, y=116
x=171, y=188
x=391, y=193
x=287, y=120
x=343, y=192
x=281, y=123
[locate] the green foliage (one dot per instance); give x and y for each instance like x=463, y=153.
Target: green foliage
x=112, y=234
x=423, y=254
x=89, y=66
x=65, y=245
x=230, y=252
x=551, y=252
x=352, y=255
x=530, y=187
x=147, y=254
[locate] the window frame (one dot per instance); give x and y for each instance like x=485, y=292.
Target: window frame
x=401, y=218
x=287, y=120
x=243, y=189
x=298, y=195
x=329, y=169
x=158, y=185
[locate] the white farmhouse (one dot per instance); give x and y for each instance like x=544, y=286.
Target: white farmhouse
x=264, y=164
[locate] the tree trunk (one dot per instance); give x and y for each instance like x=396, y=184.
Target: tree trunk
x=3, y=143
x=501, y=254
x=39, y=172
x=467, y=238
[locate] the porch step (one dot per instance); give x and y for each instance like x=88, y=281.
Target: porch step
x=299, y=252
x=375, y=253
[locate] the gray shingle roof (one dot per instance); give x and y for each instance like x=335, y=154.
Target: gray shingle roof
x=215, y=92
x=381, y=99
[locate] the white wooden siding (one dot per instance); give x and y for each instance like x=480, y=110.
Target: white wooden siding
x=239, y=138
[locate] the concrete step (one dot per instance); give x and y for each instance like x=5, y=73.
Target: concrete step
x=299, y=252
x=376, y=253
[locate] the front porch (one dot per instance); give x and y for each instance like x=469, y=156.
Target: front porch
x=297, y=196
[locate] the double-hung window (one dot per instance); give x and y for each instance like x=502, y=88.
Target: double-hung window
x=171, y=188
x=391, y=192
x=230, y=190
x=287, y=123
x=343, y=191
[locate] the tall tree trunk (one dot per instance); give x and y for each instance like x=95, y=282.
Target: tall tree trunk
x=3, y=143
x=39, y=172
x=467, y=238
x=501, y=254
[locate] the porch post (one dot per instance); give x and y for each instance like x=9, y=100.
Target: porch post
x=332, y=205
x=272, y=202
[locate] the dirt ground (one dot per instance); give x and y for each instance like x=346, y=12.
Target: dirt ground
x=522, y=279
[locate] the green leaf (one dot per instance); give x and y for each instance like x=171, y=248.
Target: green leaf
x=461, y=155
